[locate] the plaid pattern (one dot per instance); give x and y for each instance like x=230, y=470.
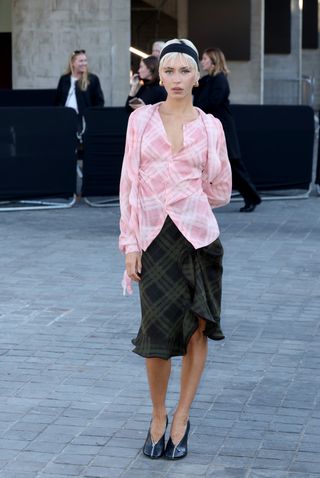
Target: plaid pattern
x=183, y=185
x=178, y=283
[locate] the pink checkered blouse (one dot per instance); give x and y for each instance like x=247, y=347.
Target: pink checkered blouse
x=156, y=183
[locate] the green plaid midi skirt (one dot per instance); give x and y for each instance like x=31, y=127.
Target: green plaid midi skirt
x=178, y=284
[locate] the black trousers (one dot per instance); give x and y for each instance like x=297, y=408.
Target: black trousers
x=241, y=181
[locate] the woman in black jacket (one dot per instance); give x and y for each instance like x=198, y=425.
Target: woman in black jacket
x=212, y=96
x=79, y=89
x=145, y=88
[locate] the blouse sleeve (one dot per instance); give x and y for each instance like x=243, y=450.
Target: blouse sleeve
x=127, y=240
x=216, y=178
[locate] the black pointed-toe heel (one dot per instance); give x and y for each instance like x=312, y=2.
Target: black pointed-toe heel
x=154, y=450
x=176, y=452
x=248, y=208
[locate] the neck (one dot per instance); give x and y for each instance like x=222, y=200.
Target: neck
x=177, y=106
x=76, y=74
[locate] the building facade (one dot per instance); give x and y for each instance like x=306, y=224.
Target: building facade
x=44, y=33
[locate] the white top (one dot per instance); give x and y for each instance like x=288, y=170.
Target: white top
x=71, y=101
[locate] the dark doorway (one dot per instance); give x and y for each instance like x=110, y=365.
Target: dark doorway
x=149, y=24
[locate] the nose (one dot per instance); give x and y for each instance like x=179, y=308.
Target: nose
x=177, y=77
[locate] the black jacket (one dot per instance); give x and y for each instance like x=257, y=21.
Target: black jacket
x=93, y=96
x=212, y=96
x=150, y=93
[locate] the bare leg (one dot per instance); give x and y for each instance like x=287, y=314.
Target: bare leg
x=158, y=371
x=192, y=367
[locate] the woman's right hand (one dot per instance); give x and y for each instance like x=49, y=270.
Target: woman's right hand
x=133, y=265
x=135, y=85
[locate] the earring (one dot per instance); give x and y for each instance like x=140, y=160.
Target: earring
x=196, y=84
x=160, y=82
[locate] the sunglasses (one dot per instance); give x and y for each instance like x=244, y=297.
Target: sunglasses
x=78, y=52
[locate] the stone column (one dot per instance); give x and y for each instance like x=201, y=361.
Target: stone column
x=246, y=77
x=182, y=18
x=45, y=32
x=283, y=72
x=311, y=68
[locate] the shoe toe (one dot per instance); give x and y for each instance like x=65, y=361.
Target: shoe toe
x=176, y=452
x=154, y=450
x=248, y=208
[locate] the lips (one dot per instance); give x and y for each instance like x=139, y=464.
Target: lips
x=178, y=90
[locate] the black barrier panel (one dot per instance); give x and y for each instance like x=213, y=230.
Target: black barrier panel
x=276, y=144
x=37, y=153
x=104, y=142
x=27, y=97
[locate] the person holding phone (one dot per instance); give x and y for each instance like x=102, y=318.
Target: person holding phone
x=145, y=88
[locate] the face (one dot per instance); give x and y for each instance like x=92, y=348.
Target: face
x=79, y=63
x=144, y=72
x=156, y=50
x=178, y=78
x=206, y=63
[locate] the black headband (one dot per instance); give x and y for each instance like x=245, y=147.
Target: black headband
x=180, y=48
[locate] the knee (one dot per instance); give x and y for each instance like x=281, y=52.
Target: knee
x=198, y=338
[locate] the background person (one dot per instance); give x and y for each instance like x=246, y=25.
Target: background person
x=175, y=169
x=78, y=88
x=157, y=47
x=145, y=88
x=212, y=96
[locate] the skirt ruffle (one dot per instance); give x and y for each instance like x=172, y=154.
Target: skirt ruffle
x=179, y=284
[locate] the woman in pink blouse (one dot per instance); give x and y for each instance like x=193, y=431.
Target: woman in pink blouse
x=175, y=169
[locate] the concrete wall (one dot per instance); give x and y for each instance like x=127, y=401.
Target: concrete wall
x=45, y=32
x=283, y=72
x=246, y=77
x=311, y=66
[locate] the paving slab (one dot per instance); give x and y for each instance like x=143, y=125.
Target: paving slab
x=74, y=399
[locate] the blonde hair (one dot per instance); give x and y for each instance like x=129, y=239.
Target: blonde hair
x=83, y=81
x=169, y=58
x=219, y=64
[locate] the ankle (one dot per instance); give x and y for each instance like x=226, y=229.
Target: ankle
x=159, y=414
x=182, y=415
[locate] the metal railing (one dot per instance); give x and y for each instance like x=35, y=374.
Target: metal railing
x=289, y=91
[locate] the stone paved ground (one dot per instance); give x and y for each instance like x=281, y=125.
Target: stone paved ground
x=74, y=398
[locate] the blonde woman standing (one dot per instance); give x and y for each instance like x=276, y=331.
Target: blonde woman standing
x=78, y=88
x=174, y=171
